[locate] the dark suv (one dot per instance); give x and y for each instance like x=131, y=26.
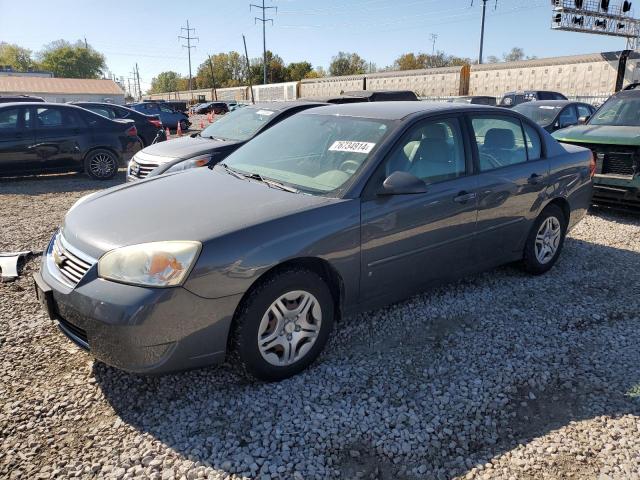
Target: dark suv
x=53, y=137
x=511, y=99
x=218, y=108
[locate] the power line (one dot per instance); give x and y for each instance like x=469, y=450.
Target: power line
x=434, y=37
x=188, y=46
x=264, y=21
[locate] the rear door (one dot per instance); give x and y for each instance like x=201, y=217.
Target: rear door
x=411, y=241
x=512, y=178
x=17, y=139
x=61, y=137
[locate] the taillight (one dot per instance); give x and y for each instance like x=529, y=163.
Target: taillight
x=592, y=164
x=156, y=123
x=132, y=131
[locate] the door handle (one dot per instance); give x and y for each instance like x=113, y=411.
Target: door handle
x=534, y=179
x=464, y=197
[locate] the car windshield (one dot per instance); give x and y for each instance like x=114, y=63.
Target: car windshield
x=541, y=114
x=239, y=125
x=312, y=153
x=619, y=112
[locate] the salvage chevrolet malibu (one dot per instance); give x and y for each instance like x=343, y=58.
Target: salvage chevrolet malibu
x=334, y=210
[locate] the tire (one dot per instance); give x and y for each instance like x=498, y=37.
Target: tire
x=545, y=241
x=305, y=335
x=101, y=164
x=183, y=125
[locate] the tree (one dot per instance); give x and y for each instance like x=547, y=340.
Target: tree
x=492, y=59
x=347, y=64
x=165, y=82
x=514, y=55
x=72, y=60
x=228, y=70
x=16, y=57
x=413, y=61
x=296, y=71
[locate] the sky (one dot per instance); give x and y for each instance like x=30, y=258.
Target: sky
x=146, y=31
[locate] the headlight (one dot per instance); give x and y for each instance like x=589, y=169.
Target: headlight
x=156, y=264
x=191, y=163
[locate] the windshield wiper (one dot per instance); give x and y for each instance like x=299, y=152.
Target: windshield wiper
x=230, y=171
x=272, y=183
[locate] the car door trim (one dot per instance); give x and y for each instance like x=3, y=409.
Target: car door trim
x=416, y=251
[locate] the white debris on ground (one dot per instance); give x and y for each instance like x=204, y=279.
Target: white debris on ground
x=499, y=376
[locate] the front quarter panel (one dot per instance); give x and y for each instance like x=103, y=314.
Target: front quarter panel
x=230, y=264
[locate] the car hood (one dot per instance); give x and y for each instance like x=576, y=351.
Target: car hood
x=185, y=147
x=199, y=204
x=607, y=134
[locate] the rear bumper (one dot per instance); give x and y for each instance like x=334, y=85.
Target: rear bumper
x=141, y=330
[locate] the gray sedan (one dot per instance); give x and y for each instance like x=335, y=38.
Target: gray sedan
x=333, y=211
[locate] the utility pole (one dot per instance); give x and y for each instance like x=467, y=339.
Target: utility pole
x=264, y=21
x=129, y=86
x=213, y=79
x=484, y=12
x=86, y=45
x=246, y=56
x=139, y=89
x=434, y=37
x=134, y=83
x=188, y=46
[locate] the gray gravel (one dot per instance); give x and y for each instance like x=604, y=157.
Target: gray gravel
x=500, y=376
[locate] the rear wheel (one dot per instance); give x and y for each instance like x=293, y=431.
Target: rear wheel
x=101, y=164
x=545, y=241
x=283, y=325
x=183, y=125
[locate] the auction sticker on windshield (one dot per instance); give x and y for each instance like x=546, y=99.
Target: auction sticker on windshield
x=264, y=112
x=349, y=146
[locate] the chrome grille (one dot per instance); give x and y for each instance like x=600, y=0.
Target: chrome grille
x=141, y=170
x=71, y=264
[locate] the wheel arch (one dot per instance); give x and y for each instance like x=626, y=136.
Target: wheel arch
x=108, y=148
x=564, y=205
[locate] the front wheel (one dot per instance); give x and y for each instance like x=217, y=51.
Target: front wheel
x=545, y=241
x=101, y=165
x=183, y=125
x=284, y=325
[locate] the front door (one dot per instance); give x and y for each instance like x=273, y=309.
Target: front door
x=512, y=179
x=17, y=138
x=414, y=240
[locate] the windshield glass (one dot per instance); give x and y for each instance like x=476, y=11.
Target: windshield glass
x=313, y=153
x=240, y=124
x=541, y=114
x=619, y=112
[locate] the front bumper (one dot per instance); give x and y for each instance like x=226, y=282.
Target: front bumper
x=137, y=329
x=617, y=192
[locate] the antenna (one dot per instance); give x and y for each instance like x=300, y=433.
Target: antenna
x=434, y=37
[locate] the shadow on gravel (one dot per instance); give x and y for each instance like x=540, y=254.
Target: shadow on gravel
x=55, y=183
x=428, y=388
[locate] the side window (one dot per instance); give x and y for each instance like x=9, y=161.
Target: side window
x=102, y=111
x=166, y=109
x=500, y=141
x=534, y=144
x=432, y=151
x=49, y=117
x=9, y=119
x=568, y=116
x=120, y=112
x=584, y=110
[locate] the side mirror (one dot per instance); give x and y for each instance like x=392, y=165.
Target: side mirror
x=402, y=183
x=583, y=119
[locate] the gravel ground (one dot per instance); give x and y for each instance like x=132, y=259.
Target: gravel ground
x=501, y=376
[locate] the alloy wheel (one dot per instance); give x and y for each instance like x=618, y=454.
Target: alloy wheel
x=102, y=165
x=289, y=328
x=548, y=240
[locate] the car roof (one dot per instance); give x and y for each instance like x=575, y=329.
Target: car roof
x=394, y=110
x=627, y=93
x=548, y=103
x=38, y=104
x=282, y=106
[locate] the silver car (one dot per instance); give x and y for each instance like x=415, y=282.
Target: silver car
x=334, y=210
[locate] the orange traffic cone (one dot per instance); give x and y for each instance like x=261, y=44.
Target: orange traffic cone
x=179, y=130
x=167, y=133
x=209, y=117
x=201, y=124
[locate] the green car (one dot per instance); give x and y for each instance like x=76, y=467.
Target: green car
x=613, y=135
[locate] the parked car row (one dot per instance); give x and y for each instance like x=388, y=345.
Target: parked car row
x=315, y=212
